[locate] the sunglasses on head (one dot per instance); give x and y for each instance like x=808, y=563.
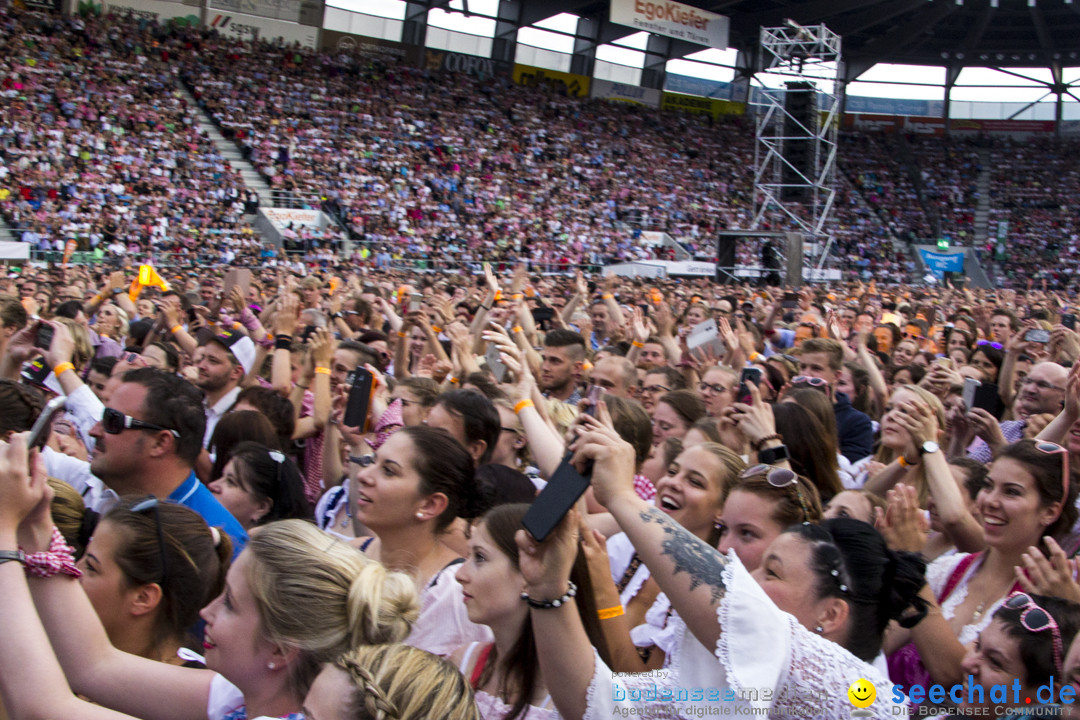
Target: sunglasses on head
x=808, y=380
x=1050, y=448
x=1034, y=619
x=151, y=503
x=779, y=478
x=115, y=422
x=995, y=345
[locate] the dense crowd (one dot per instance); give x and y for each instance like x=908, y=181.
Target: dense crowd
x=790, y=490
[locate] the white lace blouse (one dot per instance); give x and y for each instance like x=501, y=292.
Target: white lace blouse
x=765, y=663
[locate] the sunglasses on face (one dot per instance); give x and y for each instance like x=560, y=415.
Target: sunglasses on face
x=1050, y=448
x=779, y=478
x=1034, y=619
x=115, y=422
x=151, y=503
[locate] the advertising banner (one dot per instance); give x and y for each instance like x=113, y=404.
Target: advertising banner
x=446, y=61
x=941, y=263
x=283, y=217
x=342, y=42
x=701, y=105
x=608, y=90
x=566, y=83
x=672, y=19
x=249, y=27
x=156, y=10
x=288, y=10
x=894, y=123
x=1002, y=126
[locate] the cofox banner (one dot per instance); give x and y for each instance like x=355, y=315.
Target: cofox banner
x=672, y=19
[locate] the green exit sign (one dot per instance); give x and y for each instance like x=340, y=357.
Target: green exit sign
x=942, y=244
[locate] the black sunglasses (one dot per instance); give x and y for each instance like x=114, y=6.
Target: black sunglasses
x=115, y=422
x=151, y=503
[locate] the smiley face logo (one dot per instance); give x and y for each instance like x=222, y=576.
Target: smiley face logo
x=862, y=693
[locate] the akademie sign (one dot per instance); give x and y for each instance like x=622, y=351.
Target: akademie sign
x=672, y=19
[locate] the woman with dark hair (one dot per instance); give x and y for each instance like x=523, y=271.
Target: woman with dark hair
x=237, y=427
x=958, y=346
x=1025, y=642
x=277, y=409
x=675, y=413
x=840, y=580
x=1028, y=496
x=988, y=360
x=260, y=485
x=407, y=494
x=811, y=451
x=148, y=570
x=506, y=674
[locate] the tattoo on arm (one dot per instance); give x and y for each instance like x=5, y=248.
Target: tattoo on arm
x=691, y=554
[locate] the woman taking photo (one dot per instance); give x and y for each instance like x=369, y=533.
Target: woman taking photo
x=730, y=635
x=505, y=674
x=407, y=494
x=292, y=601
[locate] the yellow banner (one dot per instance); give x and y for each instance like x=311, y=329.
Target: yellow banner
x=701, y=105
x=569, y=83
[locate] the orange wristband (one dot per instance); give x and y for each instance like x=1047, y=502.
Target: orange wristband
x=322, y=371
x=611, y=612
x=526, y=403
x=62, y=368
x=607, y=296
x=518, y=328
x=400, y=334
x=637, y=344
x=175, y=328
x=436, y=328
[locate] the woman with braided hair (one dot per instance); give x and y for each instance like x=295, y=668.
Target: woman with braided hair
x=390, y=682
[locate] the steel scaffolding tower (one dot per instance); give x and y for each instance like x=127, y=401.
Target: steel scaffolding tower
x=796, y=133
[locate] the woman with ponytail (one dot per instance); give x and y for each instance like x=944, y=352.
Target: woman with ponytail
x=408, y=493
x=293, y=600
x=146, y=587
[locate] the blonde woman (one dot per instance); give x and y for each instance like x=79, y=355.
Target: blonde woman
x=293, y=600
x=901, y=451
x=396, y=681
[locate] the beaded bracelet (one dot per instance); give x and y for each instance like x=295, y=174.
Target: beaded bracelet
x=549, y=604
x=761, y=441
x=59, y=558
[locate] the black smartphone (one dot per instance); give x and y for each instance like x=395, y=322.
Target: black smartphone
x=555, y=500
x=44, y=337
x=1069, y=321
x=306, y=333
x=791, y=301
x=542, y=314
x=988, y=399
x=1037, y=335
x=39, y=433
x=356, y=409
x=749, y=375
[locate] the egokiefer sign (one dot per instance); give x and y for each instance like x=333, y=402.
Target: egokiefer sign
x=672, y=19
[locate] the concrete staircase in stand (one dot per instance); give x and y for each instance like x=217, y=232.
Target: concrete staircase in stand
x=982, y=210
x=228, y=149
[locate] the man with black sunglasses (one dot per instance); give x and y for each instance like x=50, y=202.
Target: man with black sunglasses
x=148, y=440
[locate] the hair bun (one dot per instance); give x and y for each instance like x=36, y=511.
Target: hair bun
x=382, y=605
x=904, y=577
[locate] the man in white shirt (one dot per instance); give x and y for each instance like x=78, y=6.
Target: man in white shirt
x=225, y=360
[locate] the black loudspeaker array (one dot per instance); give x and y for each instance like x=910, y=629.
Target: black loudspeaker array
x=800, y=130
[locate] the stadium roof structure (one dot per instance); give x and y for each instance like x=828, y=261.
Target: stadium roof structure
x=953, y=33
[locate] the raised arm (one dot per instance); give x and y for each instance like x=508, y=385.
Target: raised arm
x=30, y=678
